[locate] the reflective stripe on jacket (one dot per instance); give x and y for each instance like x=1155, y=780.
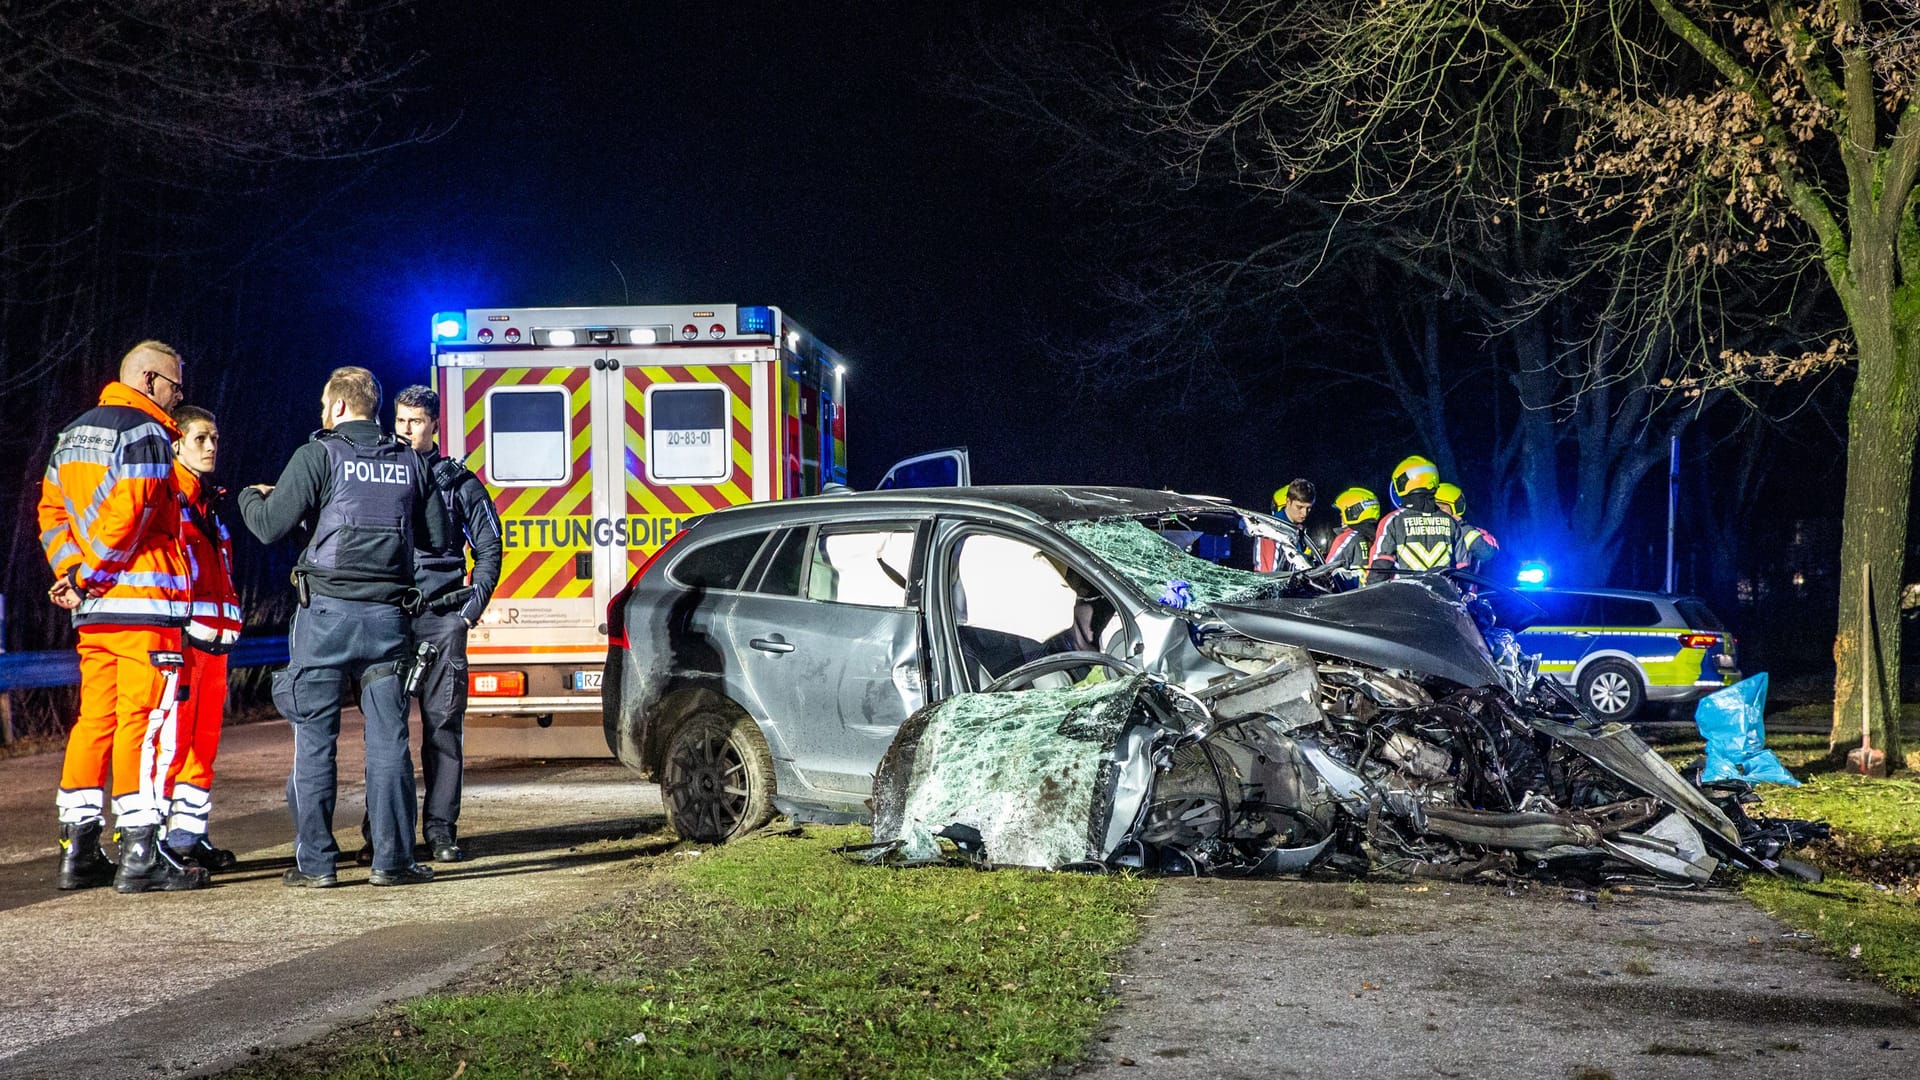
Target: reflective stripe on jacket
x=215, y=621
x=108, y=513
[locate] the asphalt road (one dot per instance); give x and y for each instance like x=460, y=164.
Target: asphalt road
x=96, y=984
x=1307, y=979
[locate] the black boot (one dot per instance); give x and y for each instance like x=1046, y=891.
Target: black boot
x=146, y=865
x=202, y=853
x=82, y=864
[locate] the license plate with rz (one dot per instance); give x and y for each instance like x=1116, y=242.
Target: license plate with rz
x=586, y=680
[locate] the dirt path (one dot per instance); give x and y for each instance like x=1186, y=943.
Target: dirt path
x=97, y=984
x=1305, y=979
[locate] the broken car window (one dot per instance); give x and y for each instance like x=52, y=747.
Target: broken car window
x=1157, y=568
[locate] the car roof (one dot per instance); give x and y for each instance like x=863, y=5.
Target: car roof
x=1625, y=594
x=1040, y=502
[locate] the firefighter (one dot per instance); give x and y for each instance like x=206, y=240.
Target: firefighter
x=1359, y=510
x=1289, y=548
x=212, y=630
x=366, y=496
x=110, y=521
x=1477, y=545
x=1418, y=536
x=453, y=606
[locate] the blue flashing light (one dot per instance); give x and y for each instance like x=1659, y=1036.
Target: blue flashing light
x=755, y=320
x=449, y=326
x=1534, y=573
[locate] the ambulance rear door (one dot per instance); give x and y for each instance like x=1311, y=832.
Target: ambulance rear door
x=694, y=433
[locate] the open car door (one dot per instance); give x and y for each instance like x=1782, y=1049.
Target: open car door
x=941, y=468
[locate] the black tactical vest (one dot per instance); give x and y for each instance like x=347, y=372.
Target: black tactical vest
x=365, y=528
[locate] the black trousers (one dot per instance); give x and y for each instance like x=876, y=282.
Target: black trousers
x=332, y=641
x=443, y=713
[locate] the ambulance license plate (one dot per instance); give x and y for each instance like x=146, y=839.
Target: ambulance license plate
x=586, y=680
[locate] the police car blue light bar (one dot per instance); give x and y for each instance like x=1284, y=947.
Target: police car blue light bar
x=1534, y=573
x=449, y=326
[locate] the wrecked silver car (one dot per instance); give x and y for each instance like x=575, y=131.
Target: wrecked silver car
x=1130, y=701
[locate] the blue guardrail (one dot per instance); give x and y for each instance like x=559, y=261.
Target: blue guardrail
x=35, y=670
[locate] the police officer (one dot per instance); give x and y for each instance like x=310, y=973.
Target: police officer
x=365, y=497
x=1359, y=511
x=453, y=605
x=1418, y=536
x=1477, y=545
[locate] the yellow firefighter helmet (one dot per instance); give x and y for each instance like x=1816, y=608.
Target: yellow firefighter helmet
x=1451, y=499
x=1357, y=504
x=1414, y=474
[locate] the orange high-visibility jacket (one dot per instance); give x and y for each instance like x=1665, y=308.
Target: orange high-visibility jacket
x=110, y=513
x=215, y=622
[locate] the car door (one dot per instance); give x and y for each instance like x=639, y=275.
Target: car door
x=829, y=645
x=941, y=468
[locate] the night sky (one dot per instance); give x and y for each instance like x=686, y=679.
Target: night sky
x=749, y=153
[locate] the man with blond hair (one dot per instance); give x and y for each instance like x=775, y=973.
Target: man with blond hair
x=109, y=521
x=365, y=497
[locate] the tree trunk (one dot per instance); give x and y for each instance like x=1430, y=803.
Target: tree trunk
x=1882, y=421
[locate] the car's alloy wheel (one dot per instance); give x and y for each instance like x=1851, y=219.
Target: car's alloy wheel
x=1611, y=691
x=717, y=782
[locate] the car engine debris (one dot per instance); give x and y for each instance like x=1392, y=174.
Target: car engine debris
x=1304, y=760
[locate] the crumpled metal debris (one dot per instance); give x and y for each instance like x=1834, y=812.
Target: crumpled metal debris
x=1305, y=761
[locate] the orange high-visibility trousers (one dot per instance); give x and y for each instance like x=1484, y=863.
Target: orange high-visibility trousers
x=201, y=716
x=119, y=689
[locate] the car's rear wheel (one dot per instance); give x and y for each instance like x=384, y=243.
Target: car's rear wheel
x=1611, y=690
x=717, y=780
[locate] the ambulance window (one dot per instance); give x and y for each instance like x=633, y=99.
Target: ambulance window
x=784, y=565
x=861, y=567
x=527, y=436
x=687, y=434
x=718, y=565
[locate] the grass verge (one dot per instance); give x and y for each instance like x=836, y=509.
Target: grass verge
x=1868, y=908
x=775, y=956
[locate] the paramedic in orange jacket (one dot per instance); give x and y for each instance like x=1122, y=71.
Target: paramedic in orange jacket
x=211, y=633
x=110, y=524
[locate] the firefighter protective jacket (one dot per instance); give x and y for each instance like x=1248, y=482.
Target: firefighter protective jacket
x=215, y=622
x=109, y=513
x=366, y=497
x=1477, y=548
x=1348, y=553
x=476, y=524
x=1418, y=537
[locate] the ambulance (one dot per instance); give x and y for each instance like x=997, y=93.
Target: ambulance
x=599, y=432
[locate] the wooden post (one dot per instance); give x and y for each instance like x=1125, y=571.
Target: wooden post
x=1866, y=760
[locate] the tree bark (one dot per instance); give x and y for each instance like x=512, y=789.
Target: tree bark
x=1882, y=421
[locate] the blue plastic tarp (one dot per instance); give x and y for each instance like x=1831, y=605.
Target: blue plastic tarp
x=1730, y=721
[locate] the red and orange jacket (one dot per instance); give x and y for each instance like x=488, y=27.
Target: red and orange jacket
x=109, y=513
x=215, y=623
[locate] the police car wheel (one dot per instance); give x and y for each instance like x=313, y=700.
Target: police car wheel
x=717, y=780
x=1610, y=690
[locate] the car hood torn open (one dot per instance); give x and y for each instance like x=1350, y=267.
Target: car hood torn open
x=1389, y=740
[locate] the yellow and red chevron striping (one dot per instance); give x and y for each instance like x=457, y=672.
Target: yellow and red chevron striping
x=683, y=500
x=531, y=572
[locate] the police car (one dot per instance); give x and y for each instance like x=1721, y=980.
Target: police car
x=1620, y=648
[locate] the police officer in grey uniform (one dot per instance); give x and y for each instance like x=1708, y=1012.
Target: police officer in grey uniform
x=453, y=605
x=365, y=496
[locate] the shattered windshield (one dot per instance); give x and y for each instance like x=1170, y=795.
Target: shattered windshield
x=1159, y=569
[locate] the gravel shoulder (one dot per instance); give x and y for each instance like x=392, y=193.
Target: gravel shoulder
x=102, y=985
